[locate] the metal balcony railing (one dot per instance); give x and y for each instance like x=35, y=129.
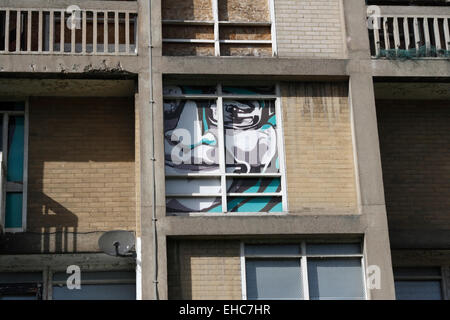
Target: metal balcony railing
x=71, y=31
x=410, y=36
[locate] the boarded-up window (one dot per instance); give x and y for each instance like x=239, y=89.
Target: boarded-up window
x=217, y=28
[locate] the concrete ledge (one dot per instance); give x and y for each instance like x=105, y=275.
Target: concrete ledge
x=66, y=64
x=411, y=68
x=251, y=66
x=275, y=225
x=63, y=4
x=59, y=262
x=58, y=242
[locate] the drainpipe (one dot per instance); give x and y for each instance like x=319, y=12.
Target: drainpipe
x=152, y=104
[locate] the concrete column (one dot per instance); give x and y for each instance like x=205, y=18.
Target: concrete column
x=366, y=148
x=152, y=152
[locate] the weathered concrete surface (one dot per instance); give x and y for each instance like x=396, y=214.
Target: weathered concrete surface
x=67, y=88
x=60, y=262
x=66, y=64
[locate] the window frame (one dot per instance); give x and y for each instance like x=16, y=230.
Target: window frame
x=216, y=23
x=219, y=97
x=303, y=258
x=418, y=278
x=4, y=188
x=52, y=282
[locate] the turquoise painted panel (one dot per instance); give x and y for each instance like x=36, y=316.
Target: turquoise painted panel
x=15, y=149
x=13, y=210
x=254, y=204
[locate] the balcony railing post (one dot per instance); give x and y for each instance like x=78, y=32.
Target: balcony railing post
x=18, y=29
x=7, y=13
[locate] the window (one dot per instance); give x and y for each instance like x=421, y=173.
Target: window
x=303, y=271
x=418, y=283
x=218, y=28
x=21, y=286
x=13, y=160
x=96, y=286
x=223, y=149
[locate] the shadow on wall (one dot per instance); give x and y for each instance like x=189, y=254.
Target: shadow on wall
x=80, y=174
x=203, y=269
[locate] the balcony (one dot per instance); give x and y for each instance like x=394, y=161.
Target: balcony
x=403, y=33
x=89, y=28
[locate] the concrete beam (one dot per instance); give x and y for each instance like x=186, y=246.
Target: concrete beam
x=411, y=68
x=262, y=225
x=68, y=64
x=67, y=87
x=63, y=4
x=60, y=262
x=251, y=66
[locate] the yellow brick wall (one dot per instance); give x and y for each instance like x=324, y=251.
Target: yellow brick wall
x=318, y=148
x=81, y=165
x=204, y=269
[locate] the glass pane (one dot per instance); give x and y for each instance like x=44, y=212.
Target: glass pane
x=113, y=275
x=96, y=292
x=333, y=248
x=272, y=249
x=15, y=149
x=181, y=90
x=19, y=297
x=417, y=272
x=243, y=90
x=12, y=106
x=20, y=277
x=418, y=290
x=13, y=210
x=194, y=204
x=250, y=136
x=252, y=185
x=335, y=279
x=195, y=185
x=273, y=279
x=255, y=204
x=190, y=136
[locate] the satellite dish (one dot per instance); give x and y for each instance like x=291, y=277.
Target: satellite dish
x=118, y=243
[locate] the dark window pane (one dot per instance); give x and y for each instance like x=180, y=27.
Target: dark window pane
x=333, y=248
x=96, y=292
x=274, y=279
x=335, y=279
x=418, y=290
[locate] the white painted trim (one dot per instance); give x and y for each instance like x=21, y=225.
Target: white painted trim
x=138, y=269
x=273, y=37
x=304, y=268
x=188, y=41
x=215, y=9
x=280, y=142
x=243, y=272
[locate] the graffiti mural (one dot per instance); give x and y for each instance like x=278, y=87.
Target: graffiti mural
x=250, y=147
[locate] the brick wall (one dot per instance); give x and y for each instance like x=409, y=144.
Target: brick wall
x=204, y=269
x=309, y=28
x=81, y=165
x=318, y=147
x=415, y=155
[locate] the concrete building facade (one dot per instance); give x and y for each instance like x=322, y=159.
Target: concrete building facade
x=257, y=149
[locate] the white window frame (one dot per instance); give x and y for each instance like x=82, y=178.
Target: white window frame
x=216, y=23
x=223, y=175
x=4, y=163
x=303, y=259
